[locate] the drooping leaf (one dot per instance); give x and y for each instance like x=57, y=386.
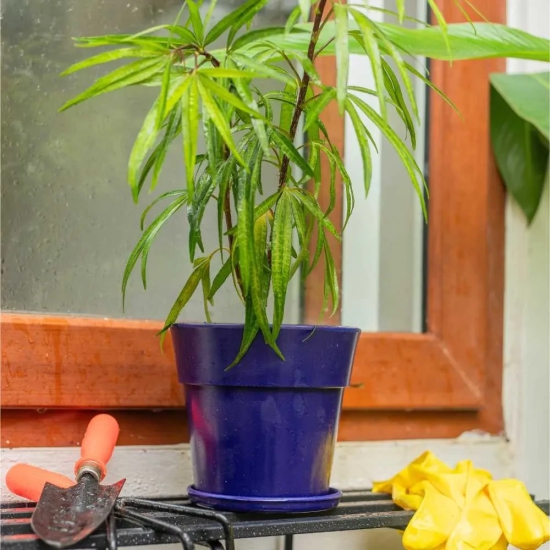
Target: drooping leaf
x=220, y=278
x=305, y=7
x=415, y=173
x=394, y=90
x=442, y=23
x=342, y=53
x=331, y=279
x=106, y=57
x=265, y=70
x=196, y=20
x=186, y=292
x=190, y=131
x=224, y=72
x=144, y=141
x=373, y=52
x=165, y=86
x=225, y=95
x=251, y=329
x=127, y=75
x=292, y=19
x=204, y=189
x=520, y=133
x=316, y=106
x=219, y=120
x=147, y=238
x=288, y=148
x=281, y=244
x=364, y=147
x=176, y=193
x=205, y=282
x=257, y=34
x=307, y=199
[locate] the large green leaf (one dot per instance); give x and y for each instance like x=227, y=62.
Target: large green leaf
x=466, y=41
x=281, y=258
x=520, y=131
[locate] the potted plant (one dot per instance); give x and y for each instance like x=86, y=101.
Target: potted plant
x=263, y=398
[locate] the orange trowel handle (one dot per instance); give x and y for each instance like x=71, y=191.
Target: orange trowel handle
x=28, y=481
x=97, y=446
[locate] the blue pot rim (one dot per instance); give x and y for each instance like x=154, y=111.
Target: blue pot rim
x=315, y=357
x=336, y=328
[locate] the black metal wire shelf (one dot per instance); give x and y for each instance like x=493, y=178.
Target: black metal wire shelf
x=139, y=522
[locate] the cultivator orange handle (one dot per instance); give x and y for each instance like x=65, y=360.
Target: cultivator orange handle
x=97, y=446
x=28, y=481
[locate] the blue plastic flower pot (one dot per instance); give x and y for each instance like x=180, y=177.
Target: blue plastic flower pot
x=263, y=433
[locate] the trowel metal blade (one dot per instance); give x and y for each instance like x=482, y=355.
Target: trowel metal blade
x=63, y=517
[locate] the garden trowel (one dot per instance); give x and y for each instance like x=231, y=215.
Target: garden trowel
x=64, y=516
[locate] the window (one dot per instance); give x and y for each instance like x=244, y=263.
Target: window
x=438, y=383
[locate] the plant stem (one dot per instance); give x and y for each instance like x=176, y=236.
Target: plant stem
x=304, y=85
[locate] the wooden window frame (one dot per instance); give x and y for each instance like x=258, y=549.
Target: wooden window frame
x=436, y=384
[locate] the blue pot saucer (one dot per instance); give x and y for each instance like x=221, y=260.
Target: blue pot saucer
x=230, y=503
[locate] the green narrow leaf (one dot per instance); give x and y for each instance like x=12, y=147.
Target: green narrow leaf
x=105, y=57
x=234, y=18
x=196, y=20
x=186, y=292
x=400, y=9
x=414, y=171
x=292, y=20
x=147, y=238
x=130, y=74
x=219, y=121
x=265, y=70
x=259, y=125
x=223, y=72
x=251, y=329
x=190, y=130
x=177, y=89
x=144, y=141
x=220, y=279
x=177, y=193
x=203, y=192
x=210, y=12
x=260, y=240
x=205, y=282
x=331, y=277
x=373, y=53
x=225, y=95
x=245, y=18
x=266, y=204
x=394, y=90
x=319, y=247
x=161, y=113
x=442, y=23
x=389, y=48
x=258, y=34
x=287, y=109
x=359, y=129
x=173, y=128
x=299, y=218
x=342, y=53
x=312, y=205
x=305, y=6
x=223, y=183
x=281, y=245
x=288, y=148
x=316, y=106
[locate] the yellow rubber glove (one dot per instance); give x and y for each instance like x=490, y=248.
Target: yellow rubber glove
x=463, y=508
